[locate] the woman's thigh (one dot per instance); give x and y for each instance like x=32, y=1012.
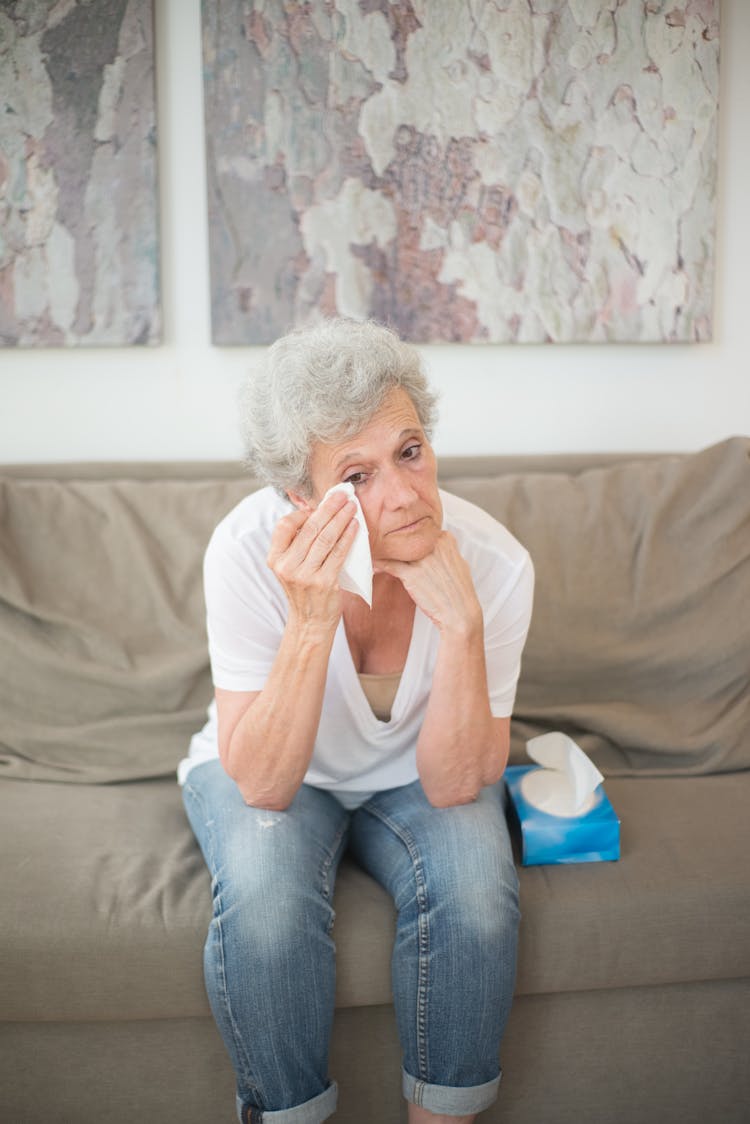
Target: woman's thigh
x=414, y=848
x=269, y=861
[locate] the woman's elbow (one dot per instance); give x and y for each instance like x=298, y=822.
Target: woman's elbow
x=450, y=796
x=270, y=805
x=270, y=797
x=268, y=800
x=448, y=793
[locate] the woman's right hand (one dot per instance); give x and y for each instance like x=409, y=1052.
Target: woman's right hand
x=308, y=549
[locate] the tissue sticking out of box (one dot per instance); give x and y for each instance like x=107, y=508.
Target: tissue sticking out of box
x=566, y=783
x=356, y=573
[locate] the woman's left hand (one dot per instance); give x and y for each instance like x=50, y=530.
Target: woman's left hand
x=461, y=747
x=441, y=585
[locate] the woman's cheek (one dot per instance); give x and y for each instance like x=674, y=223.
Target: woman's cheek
x=368, y=510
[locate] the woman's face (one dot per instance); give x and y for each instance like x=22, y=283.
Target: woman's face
x=393, y=469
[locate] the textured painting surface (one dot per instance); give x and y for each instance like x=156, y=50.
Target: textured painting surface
x=78, y=200
x=527, y=170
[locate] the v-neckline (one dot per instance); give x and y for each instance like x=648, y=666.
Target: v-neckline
x=352, y=687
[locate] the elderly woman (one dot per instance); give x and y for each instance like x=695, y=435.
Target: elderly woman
x=384, y=730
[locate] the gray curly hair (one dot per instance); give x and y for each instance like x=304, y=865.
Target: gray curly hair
x=323, y=383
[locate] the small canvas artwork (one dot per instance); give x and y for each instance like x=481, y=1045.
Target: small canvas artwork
x=525, y=171
x=78, y=188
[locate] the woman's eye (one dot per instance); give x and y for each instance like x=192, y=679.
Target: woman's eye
x=411, y=452
x=355, y=478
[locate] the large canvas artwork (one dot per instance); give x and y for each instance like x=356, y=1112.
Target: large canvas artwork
x=468, y=170
x=78, y=191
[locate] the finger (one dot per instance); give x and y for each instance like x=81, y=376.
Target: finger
x=337, y=555
x=329, y=508
x=288, y=528
x=286, y=531
x=316, y=520
x=316, y=538
x=329, y=536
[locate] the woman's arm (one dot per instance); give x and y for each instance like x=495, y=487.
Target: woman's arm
x=266, y=738
x=461, y=746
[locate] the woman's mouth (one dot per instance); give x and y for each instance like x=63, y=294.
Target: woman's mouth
x=405, y=528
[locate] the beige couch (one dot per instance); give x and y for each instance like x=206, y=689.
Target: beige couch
x=633, y=989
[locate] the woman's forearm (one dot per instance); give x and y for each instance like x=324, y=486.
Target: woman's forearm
x=460, y=747
x=271, y=746
x=267, y=748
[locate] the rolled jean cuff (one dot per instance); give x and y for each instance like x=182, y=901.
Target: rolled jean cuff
x=450, y=1100
x=313, y=1111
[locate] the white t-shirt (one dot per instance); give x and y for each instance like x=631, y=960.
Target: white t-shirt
x=355, y=753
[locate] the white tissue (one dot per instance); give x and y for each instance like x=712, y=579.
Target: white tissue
x=356, y=573
x=566, y=783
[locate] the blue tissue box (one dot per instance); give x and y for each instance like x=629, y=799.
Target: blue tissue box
x=593, y=836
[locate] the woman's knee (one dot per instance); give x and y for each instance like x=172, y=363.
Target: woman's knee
x=270, y=870
x=478, y=900
x=471, y=881
x=269, y=898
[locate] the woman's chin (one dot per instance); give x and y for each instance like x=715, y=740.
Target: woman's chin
x=408, y=548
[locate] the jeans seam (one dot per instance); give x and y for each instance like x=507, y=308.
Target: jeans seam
x=423, y=937
x=328, y=861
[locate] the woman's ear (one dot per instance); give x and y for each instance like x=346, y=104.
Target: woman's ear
x=301, y=503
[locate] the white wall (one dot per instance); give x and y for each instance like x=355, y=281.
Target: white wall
x=177, y=400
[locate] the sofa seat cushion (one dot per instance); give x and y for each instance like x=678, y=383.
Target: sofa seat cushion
x=675, y=907
x=106, y=902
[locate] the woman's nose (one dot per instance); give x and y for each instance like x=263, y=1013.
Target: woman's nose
x=398, y=490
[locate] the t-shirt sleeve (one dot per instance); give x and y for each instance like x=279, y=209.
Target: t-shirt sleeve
x=506, y=625
x=244, y=612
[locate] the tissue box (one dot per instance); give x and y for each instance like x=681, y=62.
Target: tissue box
x=590, y=836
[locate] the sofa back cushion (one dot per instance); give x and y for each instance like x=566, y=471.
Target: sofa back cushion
x=639, y=646
x=103, y=663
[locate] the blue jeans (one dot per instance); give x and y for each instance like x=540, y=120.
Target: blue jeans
x=270, y=961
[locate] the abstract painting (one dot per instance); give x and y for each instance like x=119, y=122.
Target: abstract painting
x=78, y=190
x=468, y=170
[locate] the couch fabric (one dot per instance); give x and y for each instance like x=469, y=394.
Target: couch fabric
x=634, y=977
